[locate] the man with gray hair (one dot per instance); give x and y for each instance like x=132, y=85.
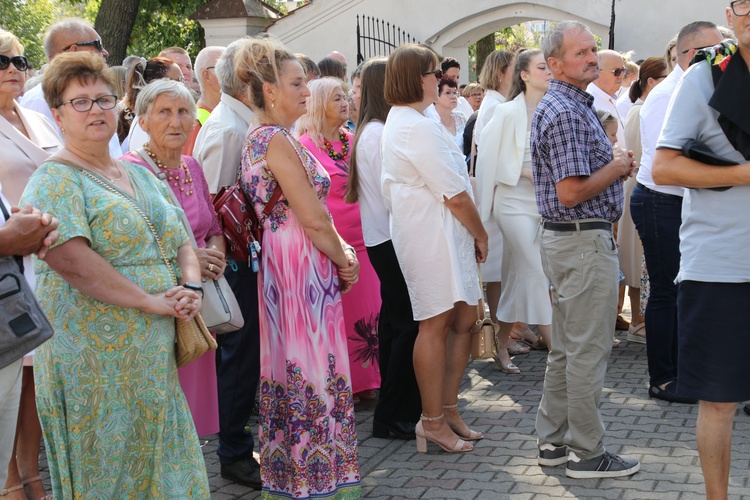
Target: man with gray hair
x=69, y=35
x=218, y=148
x=205, y=66
x=578, y=178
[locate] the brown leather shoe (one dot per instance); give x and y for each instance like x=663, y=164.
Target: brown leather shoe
x=622, y=323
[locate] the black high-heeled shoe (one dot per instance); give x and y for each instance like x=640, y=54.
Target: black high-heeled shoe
x=400, y=430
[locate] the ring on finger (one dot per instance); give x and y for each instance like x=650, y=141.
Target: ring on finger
x=210, y=268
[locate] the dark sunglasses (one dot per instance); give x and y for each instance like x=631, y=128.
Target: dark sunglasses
x=617, y=71
x=20, y=62
x=93, y=43
x=438, y=73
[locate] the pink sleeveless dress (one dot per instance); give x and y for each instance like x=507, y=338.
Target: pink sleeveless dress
x=308, y=442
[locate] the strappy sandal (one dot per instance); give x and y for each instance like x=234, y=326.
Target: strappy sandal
x=8, y=491
x=460, y=446
x=473, y=435
x=33, y=480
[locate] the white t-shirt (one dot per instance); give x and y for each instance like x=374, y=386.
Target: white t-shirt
x=34, y=100
x=653, y=112
x=714, y=235
x=372, y=207
x=492, y=98
x=604, y=102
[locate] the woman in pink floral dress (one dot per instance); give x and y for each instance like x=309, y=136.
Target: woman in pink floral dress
x=308, y=444
x=321, y=133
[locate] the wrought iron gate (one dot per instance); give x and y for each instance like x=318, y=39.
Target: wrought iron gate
x=376, y=37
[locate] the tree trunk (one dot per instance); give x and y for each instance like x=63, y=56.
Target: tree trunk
x=485, y=47
x=114, y=23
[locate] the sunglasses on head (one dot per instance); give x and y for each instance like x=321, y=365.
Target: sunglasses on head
x=438, y=74
x=93, y=43
x=20, y=62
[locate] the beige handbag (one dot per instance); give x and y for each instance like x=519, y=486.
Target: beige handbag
x=483, y=340
x=192, y=338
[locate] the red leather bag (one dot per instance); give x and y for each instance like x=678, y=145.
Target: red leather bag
x=239, y=223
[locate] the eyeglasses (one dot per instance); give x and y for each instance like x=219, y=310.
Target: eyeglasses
x=438, y=73
x=477, y=94
x=93, y=43
x=659, y=77
x=740, y=7
x=20, y=62
x=617, y=71
x=84, y=104
x=180, y=79
x=451, y=94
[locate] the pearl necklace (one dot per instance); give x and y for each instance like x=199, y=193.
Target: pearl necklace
x=333, y=154
x=171, y=176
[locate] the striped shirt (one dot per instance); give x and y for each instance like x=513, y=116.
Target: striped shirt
x=567, y=140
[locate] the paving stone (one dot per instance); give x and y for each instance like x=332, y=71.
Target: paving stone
x=503, y=465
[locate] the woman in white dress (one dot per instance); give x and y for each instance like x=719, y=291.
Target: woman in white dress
x=506, y=196
x=452, y=120
x=438, y=238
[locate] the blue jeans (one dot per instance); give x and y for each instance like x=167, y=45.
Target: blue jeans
x=657, y=218
x=238, y=368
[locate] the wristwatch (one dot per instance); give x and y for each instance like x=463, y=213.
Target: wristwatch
x=194, y=287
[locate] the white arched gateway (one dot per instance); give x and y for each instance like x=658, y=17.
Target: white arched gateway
x=450, y=27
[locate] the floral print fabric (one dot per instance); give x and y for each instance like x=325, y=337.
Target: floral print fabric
x=308, y=442
x=115, y=421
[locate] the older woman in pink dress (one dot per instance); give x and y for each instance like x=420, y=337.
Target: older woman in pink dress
x=320, y=132
x=166, y=111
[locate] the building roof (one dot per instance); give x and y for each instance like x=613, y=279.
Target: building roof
x=225, y=9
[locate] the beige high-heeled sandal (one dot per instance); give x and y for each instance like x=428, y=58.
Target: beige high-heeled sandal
x=473, y=435
x=7, y=491
x=460, y=446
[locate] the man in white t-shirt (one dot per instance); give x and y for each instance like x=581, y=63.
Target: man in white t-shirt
x=69, y=35
x=27, y=231
x=604, y=88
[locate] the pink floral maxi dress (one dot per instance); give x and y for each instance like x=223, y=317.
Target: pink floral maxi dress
x=308, y=443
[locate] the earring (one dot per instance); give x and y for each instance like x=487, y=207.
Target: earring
x=273, y=104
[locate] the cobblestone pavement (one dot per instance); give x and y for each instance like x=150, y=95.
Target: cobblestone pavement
x=503, y=465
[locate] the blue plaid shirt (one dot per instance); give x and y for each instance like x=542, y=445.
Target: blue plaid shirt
x=568, y=140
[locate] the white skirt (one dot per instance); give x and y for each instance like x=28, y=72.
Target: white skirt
x=525, y=295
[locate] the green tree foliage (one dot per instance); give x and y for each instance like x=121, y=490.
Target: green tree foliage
x=164, y=23
x=29, y=19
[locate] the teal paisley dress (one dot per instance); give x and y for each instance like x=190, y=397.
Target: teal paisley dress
x=116, y=423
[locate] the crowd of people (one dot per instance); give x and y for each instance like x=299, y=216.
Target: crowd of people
x=390, y=206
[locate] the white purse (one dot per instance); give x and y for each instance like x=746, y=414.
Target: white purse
x=220, y=310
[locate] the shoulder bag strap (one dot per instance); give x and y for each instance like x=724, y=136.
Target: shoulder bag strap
x=161, y=175
x=138, y=209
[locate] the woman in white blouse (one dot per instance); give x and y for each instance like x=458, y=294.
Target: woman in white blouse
x=399, y=406
x=507, y=196
x=438, y=238
x=453, y=120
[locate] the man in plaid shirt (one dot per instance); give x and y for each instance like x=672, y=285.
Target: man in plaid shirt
x=578, y=179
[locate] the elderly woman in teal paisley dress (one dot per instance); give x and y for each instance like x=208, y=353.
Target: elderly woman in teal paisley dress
x=115, y=421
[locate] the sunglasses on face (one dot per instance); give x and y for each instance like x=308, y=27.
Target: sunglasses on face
x=438, y=74
x=93, y=43
x=617, y=71
x=20, y=62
